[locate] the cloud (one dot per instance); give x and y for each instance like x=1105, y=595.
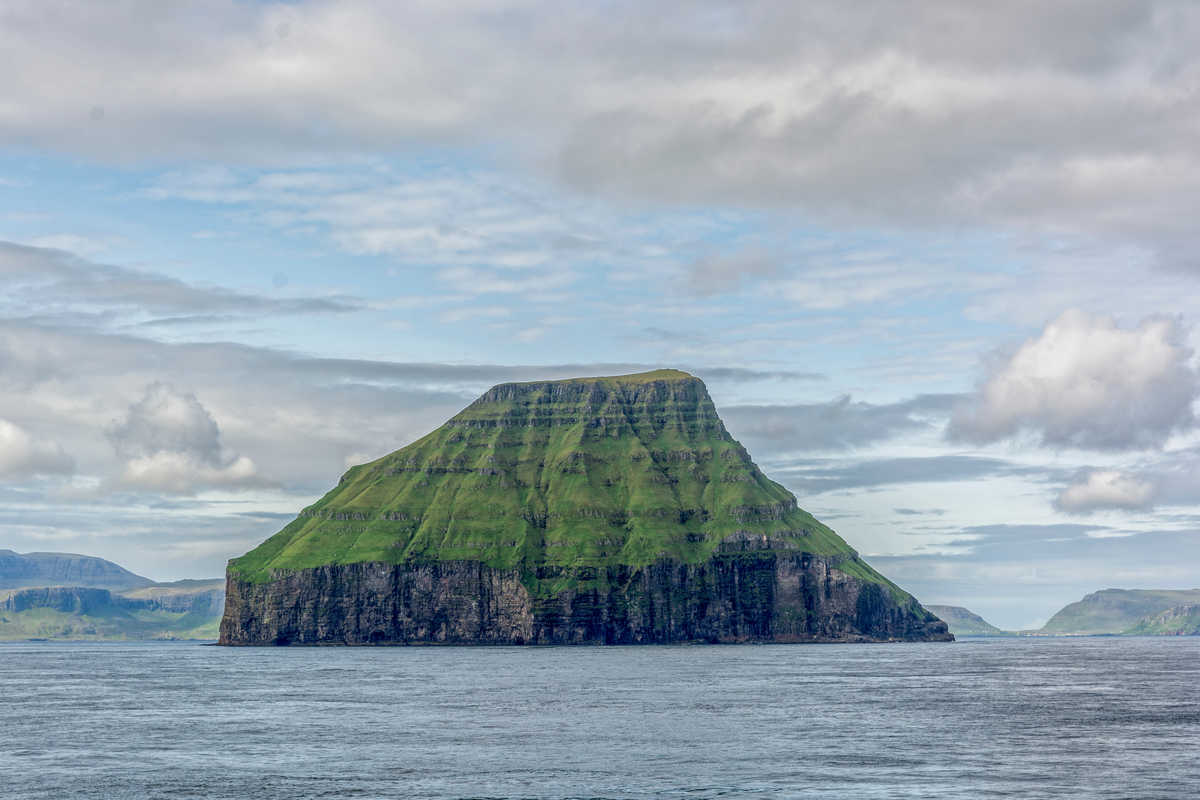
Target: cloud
x=170, y=443
x=296, y=417
x=1166, y=479
x=821, y=476
x=837, y=425
x=1085, y=382
x=21, y=455
x=716, y=274
x=48, y=279
x=1058, y=116
x=1103, y=489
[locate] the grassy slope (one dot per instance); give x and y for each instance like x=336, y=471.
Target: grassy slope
x=963, y=622
x=1117, y=610
x=110, y=623
x=1177, y=621
x=582, y=473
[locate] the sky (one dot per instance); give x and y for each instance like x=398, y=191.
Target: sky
x=937, y=264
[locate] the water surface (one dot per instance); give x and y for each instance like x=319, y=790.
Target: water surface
x=1029, y=718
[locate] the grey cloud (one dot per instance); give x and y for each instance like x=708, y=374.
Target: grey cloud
x=713, y=274
x=301, y=420
x=919, y=512
x=1106, y=489
x=193, y=319
x=23, y=455
x=740, y=374
x=1170, y=479
x=1001, y=537
x=825, y=476
x=169, y=442
x=836, y=425
x=49, y=279
x=167, y=420
x=1074, y=116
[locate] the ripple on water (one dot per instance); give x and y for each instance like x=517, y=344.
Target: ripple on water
x=1030, y=718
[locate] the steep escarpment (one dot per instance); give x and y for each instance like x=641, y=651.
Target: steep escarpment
x=590, y=510
x=191, y=610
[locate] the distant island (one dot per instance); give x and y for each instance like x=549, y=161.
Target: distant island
x=966, y=623
x=1159, y=612
x=1109, y=612
x=613, y=510
x=64, y=596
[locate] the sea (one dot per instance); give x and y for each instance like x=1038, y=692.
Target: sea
x=979, y=718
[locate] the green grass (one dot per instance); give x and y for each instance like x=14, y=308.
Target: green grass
x=109, y=624
x=1116, y=610
x=1177, y=621
x=966, y=623
x=589, y=472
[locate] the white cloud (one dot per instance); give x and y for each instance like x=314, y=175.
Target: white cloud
x=171, y=443
x=1102, y=489
x=183, y=473
x=22, y=455
x=1085, y=382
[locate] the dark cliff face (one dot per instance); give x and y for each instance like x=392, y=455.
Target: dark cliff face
x=87, y=600
x=71, y=599
x=752, y=597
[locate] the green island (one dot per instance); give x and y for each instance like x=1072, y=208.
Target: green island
x=570, y=487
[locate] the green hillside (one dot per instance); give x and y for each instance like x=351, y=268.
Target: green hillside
x=1114, y=611
x=74, y=613
x=556, y=479
x=963, y=622
x=1178, y=621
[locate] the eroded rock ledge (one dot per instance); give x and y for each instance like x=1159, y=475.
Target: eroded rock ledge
x=745, y=597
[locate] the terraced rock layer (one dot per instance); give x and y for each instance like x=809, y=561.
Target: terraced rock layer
x=596, y=510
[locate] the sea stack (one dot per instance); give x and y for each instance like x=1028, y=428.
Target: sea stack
x=613, y=510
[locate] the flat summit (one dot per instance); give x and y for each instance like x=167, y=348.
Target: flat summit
x=593, y=510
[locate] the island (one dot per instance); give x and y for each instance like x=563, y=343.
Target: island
x=609, y=510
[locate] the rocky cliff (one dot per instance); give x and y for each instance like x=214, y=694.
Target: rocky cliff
x=191, y=610
x=599, y=510
x=1178, y=621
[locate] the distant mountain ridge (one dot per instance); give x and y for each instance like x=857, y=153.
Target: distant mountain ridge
x=65, y=569
x=1116, y=611
x=67, y=596
x=964, y=622
x=88, y=613
x=1177, y=621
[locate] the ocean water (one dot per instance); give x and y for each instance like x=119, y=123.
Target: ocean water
x=1022, y=718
